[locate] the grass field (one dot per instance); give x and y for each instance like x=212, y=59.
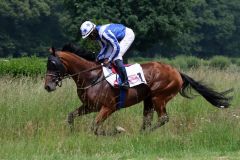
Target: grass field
x=33, y=125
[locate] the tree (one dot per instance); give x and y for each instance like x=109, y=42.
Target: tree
x=28, y=27
x=165, y=22
x=198, y=27
x=233, y=45
x=216, y=26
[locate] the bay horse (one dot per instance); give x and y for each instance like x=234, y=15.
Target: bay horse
x=163, y=83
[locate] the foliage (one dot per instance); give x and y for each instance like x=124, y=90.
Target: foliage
x=163, y=28
x=32, y=66
x=197, y=27
x=193, y=62
x=164, y=22
x=235, y=60
x=220, y=62
x=179, y=62
x=185, y=62
x=27, y=66
x=29, y=27
x=218, y=22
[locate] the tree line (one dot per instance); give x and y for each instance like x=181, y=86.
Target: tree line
x=167, y=28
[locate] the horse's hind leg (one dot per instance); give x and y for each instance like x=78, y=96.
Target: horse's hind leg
x=160, y=107
x=147, y=113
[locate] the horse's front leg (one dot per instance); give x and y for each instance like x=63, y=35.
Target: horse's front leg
x=82, y=110
x=104, y=113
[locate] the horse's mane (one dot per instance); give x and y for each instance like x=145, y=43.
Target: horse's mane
x=69, y=47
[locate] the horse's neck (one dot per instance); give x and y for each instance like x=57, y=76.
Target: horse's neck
x=76, y=65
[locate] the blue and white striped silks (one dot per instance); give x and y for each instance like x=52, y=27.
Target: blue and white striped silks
x=109, y=37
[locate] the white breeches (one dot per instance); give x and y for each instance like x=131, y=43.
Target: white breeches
x=125, y=43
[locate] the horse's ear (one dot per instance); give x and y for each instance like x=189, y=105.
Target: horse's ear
x=52, y=51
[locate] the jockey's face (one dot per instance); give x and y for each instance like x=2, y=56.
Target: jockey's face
x=93, y=35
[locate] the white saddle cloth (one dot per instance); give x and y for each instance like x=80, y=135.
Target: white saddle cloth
x=134, y=73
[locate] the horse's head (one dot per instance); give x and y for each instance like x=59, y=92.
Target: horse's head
x=55, y=71
x=62, y=63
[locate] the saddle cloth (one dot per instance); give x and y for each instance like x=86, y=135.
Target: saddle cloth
x=134, y=73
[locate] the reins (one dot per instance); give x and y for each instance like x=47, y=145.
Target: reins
x=96, y=82
x=59, y=78
x=87, y=70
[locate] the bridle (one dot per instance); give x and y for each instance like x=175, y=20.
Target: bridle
x=57, y=78
x=59, y=73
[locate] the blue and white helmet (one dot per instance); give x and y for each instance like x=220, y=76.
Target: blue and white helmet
x=86, y=28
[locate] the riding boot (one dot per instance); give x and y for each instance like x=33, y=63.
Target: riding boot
x=122, y=73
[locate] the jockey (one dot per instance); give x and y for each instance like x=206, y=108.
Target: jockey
x=114, y=39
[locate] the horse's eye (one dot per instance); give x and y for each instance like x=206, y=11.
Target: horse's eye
x=51, y=65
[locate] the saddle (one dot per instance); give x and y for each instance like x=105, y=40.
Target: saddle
x=134, y=73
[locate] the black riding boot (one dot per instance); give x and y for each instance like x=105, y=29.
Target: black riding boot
x=122, y=73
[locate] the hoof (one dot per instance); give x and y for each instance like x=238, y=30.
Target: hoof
x=164, y=119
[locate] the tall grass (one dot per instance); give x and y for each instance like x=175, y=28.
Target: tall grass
x=33, y=125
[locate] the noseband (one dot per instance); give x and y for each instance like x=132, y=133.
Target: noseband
x=57, y=78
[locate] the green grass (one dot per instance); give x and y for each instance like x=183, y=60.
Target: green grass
x=33, y=125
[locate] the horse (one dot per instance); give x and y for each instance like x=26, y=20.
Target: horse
x=163, y=83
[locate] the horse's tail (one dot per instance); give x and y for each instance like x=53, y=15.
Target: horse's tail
x=218, y=99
